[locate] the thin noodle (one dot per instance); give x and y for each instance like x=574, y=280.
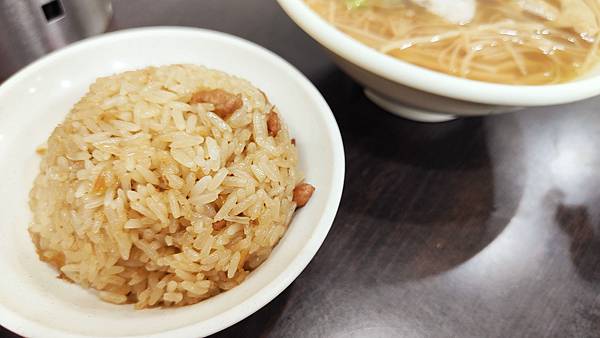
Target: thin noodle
x=502, y=43
x=517, y=57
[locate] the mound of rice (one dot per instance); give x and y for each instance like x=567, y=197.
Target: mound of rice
x=164, y=186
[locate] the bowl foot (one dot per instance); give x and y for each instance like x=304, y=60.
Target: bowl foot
x=407, y=112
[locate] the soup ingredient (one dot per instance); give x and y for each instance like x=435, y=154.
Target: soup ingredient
x=574, y=14
x=540, y=8
x=162, y=187
x=528, y=42
x=456, y=11
x=580, y=16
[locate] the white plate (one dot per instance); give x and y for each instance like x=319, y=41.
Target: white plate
x=33, y=302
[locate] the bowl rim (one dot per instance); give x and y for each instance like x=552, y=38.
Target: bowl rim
x=26, y=327
x=431, y=81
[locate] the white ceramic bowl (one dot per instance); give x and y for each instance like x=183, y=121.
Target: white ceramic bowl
x=421, y=94
x=33, y=302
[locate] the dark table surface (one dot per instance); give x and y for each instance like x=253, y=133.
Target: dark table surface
x=480, y=227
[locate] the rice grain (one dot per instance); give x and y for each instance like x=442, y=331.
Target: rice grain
x=134, y=180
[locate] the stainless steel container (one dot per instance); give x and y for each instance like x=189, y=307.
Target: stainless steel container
x=32, y=28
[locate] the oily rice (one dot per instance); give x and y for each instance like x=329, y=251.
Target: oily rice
x=164, y=186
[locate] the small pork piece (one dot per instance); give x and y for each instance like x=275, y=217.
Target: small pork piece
x=302, y=193
x=225, y=103
x=219, y=225
x=273, y=124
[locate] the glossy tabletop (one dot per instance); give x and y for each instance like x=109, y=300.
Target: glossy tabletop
x=480, y=227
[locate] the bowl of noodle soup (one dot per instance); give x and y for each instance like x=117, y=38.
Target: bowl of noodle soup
x=432, y=61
